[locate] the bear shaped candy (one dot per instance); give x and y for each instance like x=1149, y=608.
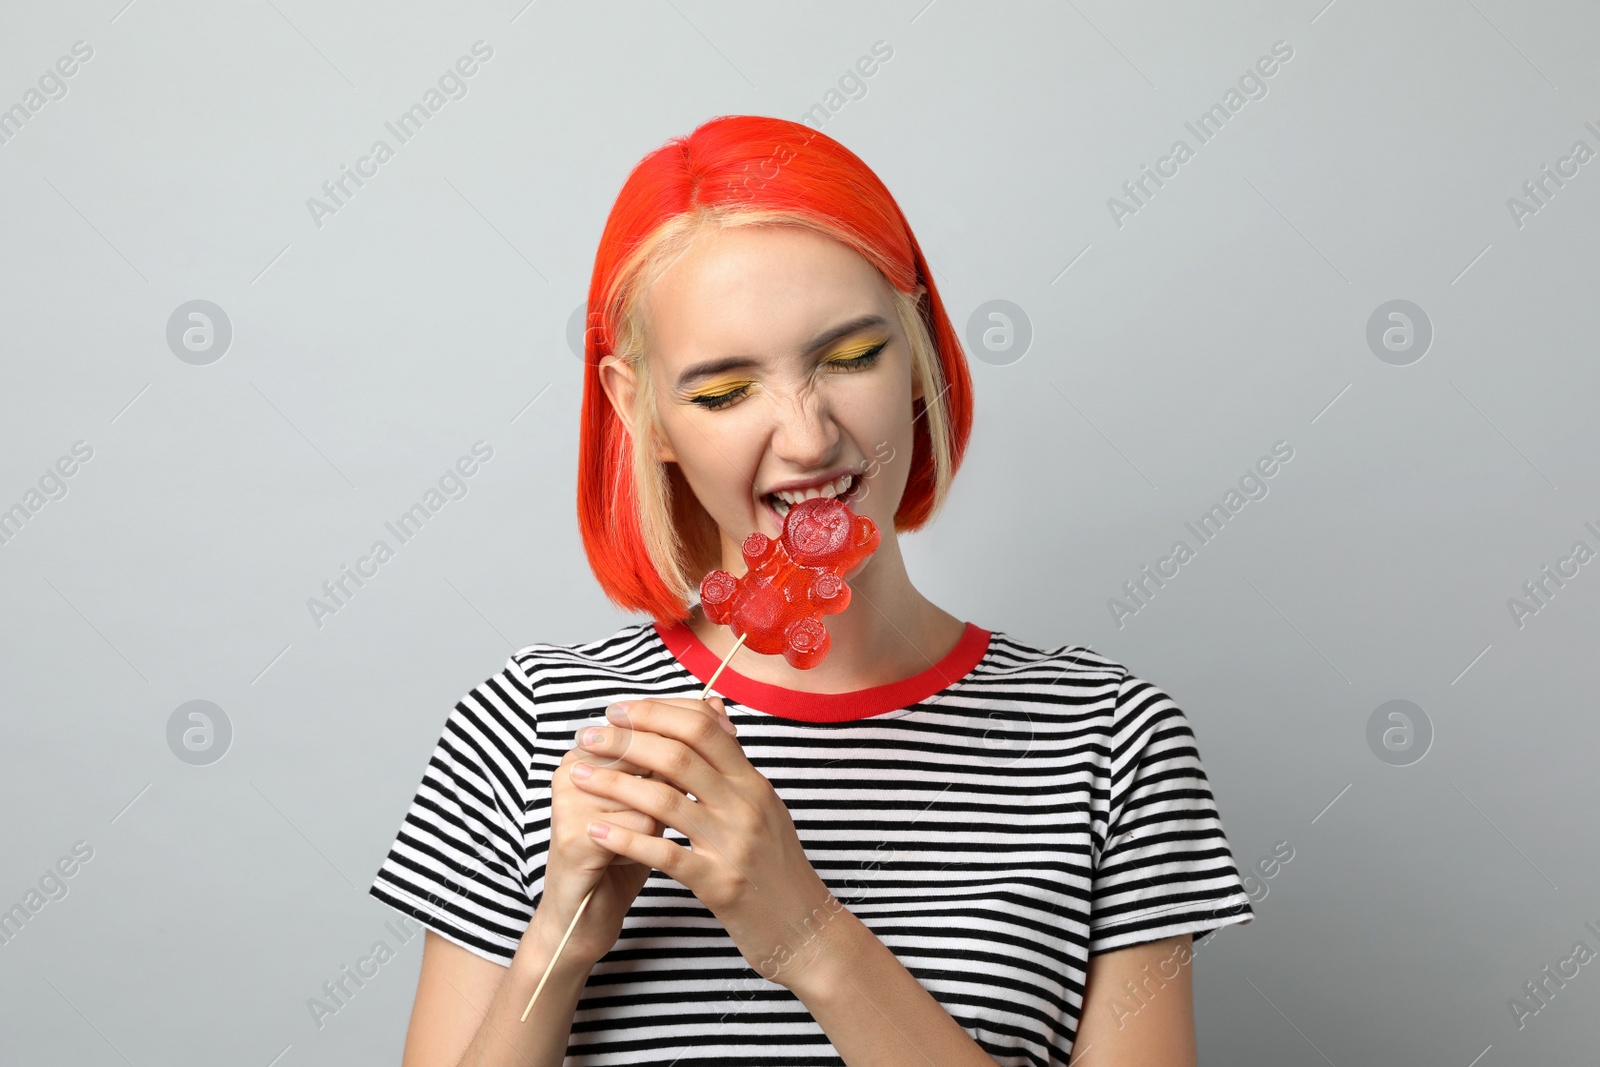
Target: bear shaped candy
x=791, y=582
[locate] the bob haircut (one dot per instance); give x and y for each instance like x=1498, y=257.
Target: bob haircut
x=648, y=539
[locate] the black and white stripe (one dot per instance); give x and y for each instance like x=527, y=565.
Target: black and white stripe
x=1045, y=807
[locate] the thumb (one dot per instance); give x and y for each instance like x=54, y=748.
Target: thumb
x=719, y=707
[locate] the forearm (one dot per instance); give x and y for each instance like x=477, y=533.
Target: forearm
x=503, y=1039
x=875, y=1011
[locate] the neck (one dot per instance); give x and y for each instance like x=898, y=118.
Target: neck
x=889, y=632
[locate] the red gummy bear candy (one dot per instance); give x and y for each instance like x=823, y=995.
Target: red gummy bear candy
x=792, y=582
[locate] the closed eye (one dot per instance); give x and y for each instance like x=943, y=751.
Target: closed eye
x=861, y=362
x=865, y=358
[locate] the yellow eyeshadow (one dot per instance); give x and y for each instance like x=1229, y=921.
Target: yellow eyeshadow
x=856, y=350
x=722, y=387
x=843, y=355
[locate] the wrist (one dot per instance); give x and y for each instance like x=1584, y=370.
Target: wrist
x=539, y=945
x=822, y=953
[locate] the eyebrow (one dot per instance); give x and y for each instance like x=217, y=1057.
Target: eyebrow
x=700, y=371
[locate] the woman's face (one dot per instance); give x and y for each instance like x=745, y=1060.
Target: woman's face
x=776, y=357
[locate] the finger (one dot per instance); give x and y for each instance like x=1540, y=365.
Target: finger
x=668, y=857
x=717, y=711
x=579, y=754
x=625, y=772
x=657, y=799
x=652, y=797
x=726, y=721
x=698, y=760
x=686, y=721
x=595, y=759
x=670, y=808
x=635, y=821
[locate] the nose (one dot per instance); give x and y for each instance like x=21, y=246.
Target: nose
x=805, y=435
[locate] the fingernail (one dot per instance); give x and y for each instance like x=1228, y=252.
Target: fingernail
x=727, y=724
x=593, y=737
x=618, y=713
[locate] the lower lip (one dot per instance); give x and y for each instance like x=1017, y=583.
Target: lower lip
x=848, y=499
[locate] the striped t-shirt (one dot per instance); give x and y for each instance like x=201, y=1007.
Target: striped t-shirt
x=995, y=820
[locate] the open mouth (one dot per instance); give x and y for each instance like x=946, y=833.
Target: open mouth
x=846, y=490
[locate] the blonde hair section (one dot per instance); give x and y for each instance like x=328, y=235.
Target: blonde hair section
x=681, y=538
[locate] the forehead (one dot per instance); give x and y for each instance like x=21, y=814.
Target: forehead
x=759, y=289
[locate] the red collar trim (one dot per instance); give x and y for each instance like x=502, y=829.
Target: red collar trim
x=692, y=654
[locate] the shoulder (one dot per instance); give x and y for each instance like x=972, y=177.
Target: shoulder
x=1073, y=672
x=564, y=686
x=1009, y=655
x=630, y=651
x=1096, y=686
x=538, y=675
x=543, y=693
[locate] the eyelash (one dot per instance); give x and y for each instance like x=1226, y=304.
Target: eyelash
x=722, y=400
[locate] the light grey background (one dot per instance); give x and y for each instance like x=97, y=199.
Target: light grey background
x=1168, y=354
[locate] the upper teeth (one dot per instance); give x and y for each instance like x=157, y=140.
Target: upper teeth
x=837, y=487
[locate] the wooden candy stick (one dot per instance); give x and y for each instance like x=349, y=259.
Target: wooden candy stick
x=573, y=925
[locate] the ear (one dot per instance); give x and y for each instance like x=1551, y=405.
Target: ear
x=617, y=379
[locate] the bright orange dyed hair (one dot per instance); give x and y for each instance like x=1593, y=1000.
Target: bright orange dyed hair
x=648, y=539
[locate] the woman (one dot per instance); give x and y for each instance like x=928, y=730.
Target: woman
x=939, y=845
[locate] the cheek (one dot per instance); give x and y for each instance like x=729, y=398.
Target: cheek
x=884, y=411
x=717, y=461
x=885, y=434
x=900, y=417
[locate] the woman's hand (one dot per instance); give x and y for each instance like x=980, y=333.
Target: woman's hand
x=575, y=862
x=745, y=862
